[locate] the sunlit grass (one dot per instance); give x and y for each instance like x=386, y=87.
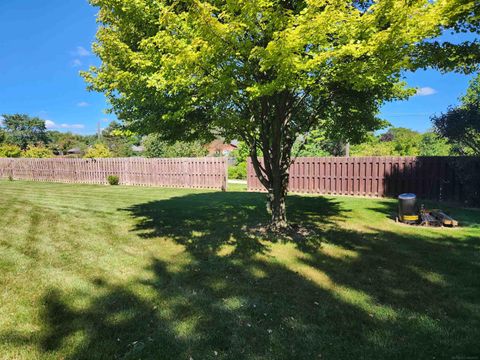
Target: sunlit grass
x=97, y=272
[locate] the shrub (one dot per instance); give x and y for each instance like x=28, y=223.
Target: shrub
x=238, y=171
x=113, y=179
x=10, y=178
x=10, y=151
x=38, y=152
x=98, y=151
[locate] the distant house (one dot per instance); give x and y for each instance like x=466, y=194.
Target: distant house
x=220, y=148
x=138, y=149
x=74, y=151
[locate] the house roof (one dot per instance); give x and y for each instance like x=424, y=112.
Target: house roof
x=218, y=146
x=138, y=148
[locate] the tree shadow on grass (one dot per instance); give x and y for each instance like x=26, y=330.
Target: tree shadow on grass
x=210, y=310
x=206, y=222
x=373, y=294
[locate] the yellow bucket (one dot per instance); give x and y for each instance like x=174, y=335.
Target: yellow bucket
x=410, y=218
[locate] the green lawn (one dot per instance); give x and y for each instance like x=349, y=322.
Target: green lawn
x=96, y=272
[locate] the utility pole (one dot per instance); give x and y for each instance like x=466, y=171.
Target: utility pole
x=347, y=149
x=99, y=134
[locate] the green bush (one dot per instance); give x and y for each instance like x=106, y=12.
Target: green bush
x=98, y=151
x=238, y=172
x=113, y=179
x=37, y=152
x=10, y=151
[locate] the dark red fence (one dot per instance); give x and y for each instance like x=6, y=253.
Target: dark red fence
x=439, y=178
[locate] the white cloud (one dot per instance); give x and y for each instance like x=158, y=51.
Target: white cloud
x=72, y=126
x=426, y=91
x=80, y=51
x=83, y=104
x=76, y=63
x=49, y=124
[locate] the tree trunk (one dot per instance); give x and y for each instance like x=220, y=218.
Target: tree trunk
x=276, y=183
x=275, y=141
x=277, y=195
x=278, y=209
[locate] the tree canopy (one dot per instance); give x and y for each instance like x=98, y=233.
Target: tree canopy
x=23, y=130
x=264, y=71
x=460, y=125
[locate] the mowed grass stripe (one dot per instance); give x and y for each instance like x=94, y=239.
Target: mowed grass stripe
x=97, y=272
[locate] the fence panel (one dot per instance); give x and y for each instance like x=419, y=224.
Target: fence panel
x=206, y=173
x=438, y=178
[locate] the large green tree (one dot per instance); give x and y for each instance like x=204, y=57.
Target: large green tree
x=23, y=130
x=264, y=71
x=460, y=125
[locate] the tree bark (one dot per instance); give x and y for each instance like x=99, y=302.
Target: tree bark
x=275, y=140
x=277, y=196
x=273, y=173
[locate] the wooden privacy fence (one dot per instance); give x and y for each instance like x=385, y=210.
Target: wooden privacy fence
x=207, y=173
x=439, y=178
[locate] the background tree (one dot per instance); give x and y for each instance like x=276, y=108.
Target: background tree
x=317, y=143
x=60, y=142
x=23, y=130
x=405, y=141
x=155, y=147
x=240, y=154
x=433, y=145
x=373, y=146
x=460, y=125
x=402, y=142
x=472, y=95
x=119, y=140
x=262, y=71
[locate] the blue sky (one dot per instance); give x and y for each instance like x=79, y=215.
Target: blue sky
x=44, y=45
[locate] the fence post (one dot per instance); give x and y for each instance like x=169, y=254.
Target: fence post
x=225, y=174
